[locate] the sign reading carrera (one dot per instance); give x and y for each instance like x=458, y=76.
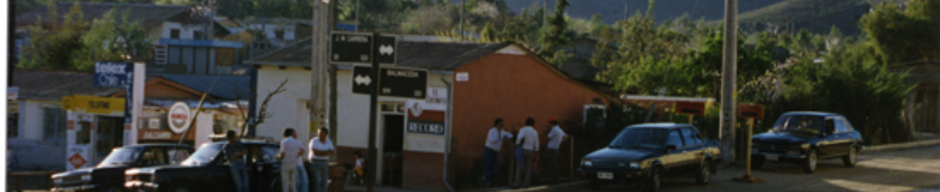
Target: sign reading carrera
x=426, y=127
x=179, y=117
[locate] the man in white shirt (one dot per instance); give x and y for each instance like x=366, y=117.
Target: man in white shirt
x=321, y=148
x=290, y=153
x=530, y=151
x=494, y=142
x=555, y=137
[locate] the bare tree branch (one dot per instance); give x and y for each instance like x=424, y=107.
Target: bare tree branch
x=263, y=111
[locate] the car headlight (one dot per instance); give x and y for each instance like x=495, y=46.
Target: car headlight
x=86, y=177
x=634, y=165
x=586, y=163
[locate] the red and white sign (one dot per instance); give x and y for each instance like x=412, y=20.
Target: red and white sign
x=179, y=117
x=77, y=160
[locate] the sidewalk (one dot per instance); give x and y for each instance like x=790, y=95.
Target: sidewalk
x=568, y=186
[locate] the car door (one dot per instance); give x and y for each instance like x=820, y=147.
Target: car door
x=265, y=170
x=216, y=176
x=843, y=137
x=829, y=144
x=675, y=161
x=694, y=148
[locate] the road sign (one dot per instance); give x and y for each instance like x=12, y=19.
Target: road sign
x=77, y=160
x=362, y=82
x=346, y=47
x=386, y=49
x=408, y=83
x=691, y=108
x=751, y=111
x=395, y=82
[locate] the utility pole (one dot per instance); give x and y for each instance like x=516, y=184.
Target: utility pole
x=318, y=62
x=728, y=82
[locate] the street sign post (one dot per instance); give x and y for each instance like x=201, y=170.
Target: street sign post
x=394, y=82
x=386, y=49
x=363, y=83
x=346, y=47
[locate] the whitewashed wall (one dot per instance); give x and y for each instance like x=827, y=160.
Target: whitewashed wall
x=285, y=108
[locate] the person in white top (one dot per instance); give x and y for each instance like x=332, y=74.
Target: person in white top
x=530, y=152
x=494, y=142
x=290, y=153
x=302, y=179
x=321, y=148
x=555, y=137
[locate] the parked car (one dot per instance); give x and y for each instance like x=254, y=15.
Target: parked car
x=108, y=175
x=208, y=170
x=806, y=138
x=646, y=153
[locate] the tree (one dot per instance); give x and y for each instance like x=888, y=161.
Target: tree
x=113, y=39
x=905, y=35
x=753, y=62
x=553, y=36
x=54, y=48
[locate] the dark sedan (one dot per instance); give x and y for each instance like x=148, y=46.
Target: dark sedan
x=208, y=170
x=108, y=175
x=646, y=153
x=805, y=138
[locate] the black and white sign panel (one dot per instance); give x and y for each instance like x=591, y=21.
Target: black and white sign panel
x=425, y=127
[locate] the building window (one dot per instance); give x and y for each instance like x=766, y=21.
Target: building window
x=279, y=34
x=174, y=33
x=13, y=130
x=198, y=35
x=53, y=123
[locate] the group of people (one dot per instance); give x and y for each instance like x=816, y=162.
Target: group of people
x=293, y=178
x=526, y=151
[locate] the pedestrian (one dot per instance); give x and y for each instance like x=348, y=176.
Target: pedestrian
x=290, y=153
x=321, y=149
x=302, y=179
x=360, y=165
x=236, y=157
x=530, y=152
x=555, y=137
x=494, y=142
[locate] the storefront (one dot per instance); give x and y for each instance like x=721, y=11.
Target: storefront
x=94, y=126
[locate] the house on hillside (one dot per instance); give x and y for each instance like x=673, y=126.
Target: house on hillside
x=419, y=140
x=180, y=34
x=922, y=108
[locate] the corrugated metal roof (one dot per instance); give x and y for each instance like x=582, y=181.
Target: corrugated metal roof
x=148, y=14
x=226, y=87
x=53, y=85
x=426, y=55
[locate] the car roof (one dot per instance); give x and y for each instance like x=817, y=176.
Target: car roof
x=159, y=145
x=812, y=113
x=249, y=142
x=659, y=125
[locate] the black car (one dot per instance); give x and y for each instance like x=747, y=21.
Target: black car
x=108, y=175
x=805, y=138
x=645, y=153
x=208, y=170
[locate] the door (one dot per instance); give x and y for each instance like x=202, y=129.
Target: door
x=392, y=148
x=829, y=144
x=110, y=134
x=843, y=137
x=694, y=148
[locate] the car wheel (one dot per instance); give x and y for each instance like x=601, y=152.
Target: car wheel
x=704, y=173
x=757, y=162
x=654, y=181
x=809, y=166
x=850, y=159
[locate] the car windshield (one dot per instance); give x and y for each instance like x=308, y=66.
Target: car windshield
x=121, y=156
x=799, y=123
x=204, y=155
x=639, y=138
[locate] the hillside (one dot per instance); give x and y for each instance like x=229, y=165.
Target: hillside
x=612, y=10
x=817, y=16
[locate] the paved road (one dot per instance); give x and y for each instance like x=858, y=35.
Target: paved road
x=916, y=169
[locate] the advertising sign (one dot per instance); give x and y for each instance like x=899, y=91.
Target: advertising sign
x=93, y=104
x=113, y=74
x=179, y=117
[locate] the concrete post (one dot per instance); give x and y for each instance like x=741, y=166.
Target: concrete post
x=728, y=82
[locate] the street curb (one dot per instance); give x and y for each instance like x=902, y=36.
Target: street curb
x=569, y=186
x=899, y=146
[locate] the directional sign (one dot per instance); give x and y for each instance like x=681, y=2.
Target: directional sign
x=362, y=83
x=751, y=111
x=346, y=47
x=386, y=49
x=408, y=83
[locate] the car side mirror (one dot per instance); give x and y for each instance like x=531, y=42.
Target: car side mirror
x=671, y=148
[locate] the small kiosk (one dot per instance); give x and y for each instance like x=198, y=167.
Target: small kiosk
x=94, y=126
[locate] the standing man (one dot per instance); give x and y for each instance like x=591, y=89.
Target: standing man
x=494, y=142
x=290, y=153
x=302, y=182
x=236, y=153
x=321, y=148
x=555, y=137
x=530, y=151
